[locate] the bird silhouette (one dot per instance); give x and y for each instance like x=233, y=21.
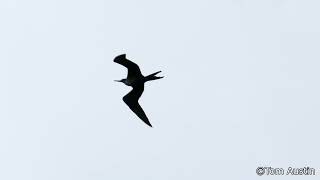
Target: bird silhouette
x=136, y=80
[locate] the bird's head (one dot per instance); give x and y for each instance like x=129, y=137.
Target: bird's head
x=122, y=80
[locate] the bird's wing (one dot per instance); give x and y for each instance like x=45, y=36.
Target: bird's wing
x=131, y=99
x=133, y=68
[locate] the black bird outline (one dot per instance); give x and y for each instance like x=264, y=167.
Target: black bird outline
x=136, y=80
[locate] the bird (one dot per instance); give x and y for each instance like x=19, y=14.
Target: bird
x=136, y=80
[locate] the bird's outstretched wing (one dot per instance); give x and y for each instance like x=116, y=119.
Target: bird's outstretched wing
x=133, y=68
x=131, y=99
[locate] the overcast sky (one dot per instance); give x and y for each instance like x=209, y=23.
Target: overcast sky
x=241, y=89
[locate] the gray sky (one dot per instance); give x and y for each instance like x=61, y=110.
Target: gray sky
x=241, y=89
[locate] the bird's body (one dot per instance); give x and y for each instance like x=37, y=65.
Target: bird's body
x=131, y=81
x=136, y=80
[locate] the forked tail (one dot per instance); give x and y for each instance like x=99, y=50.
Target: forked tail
x=152, y=76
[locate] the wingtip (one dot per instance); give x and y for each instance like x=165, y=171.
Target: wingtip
x=148, y=123
x=119, y=57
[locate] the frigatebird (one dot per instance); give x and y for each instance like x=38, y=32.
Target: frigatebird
x=136, y=80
